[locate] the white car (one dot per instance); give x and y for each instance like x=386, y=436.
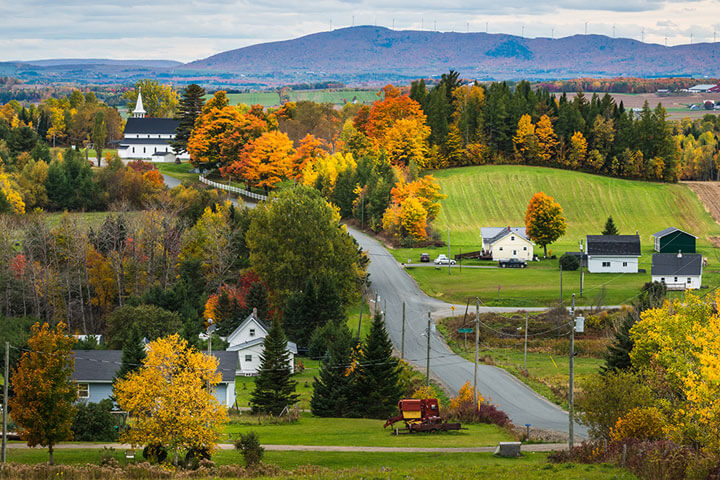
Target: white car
x=442, y=259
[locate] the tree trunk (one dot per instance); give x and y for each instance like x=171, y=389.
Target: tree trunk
x=50, y=451
x=545, y=247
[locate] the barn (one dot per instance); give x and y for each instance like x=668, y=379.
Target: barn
x=674, y=240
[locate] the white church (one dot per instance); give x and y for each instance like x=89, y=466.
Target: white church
x=149, y=138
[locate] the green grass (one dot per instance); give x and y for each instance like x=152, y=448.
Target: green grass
x=349, y=465
x=244, y=385
x=181, y=171
x=272, y=99
x=498, y=196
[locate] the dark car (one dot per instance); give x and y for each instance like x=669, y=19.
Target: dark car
x=424, y=257
x=512, y=263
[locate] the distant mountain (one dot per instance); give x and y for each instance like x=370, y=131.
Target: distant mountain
x=377, y=52
x=56, y=62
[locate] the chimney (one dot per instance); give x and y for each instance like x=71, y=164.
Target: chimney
x=637, y=232
x=255, y=312
x=679, y=255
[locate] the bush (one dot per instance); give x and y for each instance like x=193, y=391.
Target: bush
x=645, y=423
x=249, y=445
x=569, y=262
x=463, y=409
x=155, y=453
x=94, y=422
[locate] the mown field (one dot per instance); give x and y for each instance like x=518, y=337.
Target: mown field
x=272, y=99
x=498, y=196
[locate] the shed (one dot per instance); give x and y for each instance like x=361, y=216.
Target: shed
x=613, y=253
x=674, y=240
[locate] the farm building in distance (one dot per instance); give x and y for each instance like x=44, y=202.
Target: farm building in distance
x=677, y=271
x=613, y=253
x=674, y=240
x=705, y=88
x=505, y=243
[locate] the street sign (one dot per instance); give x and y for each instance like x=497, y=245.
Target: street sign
x=465, y=330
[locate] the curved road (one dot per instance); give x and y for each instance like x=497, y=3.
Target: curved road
x=395, y=286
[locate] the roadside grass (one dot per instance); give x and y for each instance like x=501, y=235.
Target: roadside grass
x=363, y=465
x=498, y=195
x=181, y=171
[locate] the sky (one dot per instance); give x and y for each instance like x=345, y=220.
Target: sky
x=188, y=30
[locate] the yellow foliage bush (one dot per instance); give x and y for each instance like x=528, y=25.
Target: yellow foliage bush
x=426, y=391
x=465, y=397
x=642, y=423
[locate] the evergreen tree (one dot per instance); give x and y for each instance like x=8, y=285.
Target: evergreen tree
x=617, y=356
x=257, y=298
x=189, y=110
x=317, y=305
x=610, y=228
x=333, y=387
x=378, y=374
x=133, y=353
x=274, y=386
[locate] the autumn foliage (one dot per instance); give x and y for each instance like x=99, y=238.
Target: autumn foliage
x=544, y=220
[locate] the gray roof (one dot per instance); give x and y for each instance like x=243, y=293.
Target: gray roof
x=670, y=264
x=493, y=234
x=102, y=365
x=144, y=141
x=151, y=125
x=670, y=230
x=256, y=341
x=627, y=245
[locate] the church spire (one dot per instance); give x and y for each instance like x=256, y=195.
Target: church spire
x=139, y=111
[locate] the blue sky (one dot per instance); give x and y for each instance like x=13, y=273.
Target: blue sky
x=188, y=30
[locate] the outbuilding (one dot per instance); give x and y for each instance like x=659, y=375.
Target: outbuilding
x=613, y=253
x=673, y=240
x=678, y=271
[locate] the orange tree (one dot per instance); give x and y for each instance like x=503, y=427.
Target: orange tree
x=544, y=220
x=44, y=403
x=266, y=161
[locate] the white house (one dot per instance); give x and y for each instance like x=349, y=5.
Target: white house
x=677, y=271
x=504, y=243
x=148, y=138
x=613, y=253
x=248, y=341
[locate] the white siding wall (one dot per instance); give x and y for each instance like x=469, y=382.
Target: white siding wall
x=250, y=331
x=608, y=264
x=136, y=151
x=512, y=246
x=676, y=283
x=252, y=366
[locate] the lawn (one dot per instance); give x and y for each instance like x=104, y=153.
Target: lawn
x=181, y=171
x=272, y=99
x=244, y=385
x=348, y=465
x=498, y=196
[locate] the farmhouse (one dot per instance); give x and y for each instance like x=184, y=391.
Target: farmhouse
x=677, y=270
x=504, y=243
x=613, y=253
x=148, y=138
x=673, y=240
x=95, y=371
x=248, y=341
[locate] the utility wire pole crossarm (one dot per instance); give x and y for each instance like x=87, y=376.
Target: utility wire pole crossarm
x=571, y=406
x=6, y=381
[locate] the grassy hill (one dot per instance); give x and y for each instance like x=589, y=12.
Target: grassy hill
x=498, y=196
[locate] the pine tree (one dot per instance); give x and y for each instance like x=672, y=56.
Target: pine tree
x=617, y=356
x=133, y=353
x=190, y=108
x=333, y=387
x=610, y=228
x=378, y=372
x=274, y=386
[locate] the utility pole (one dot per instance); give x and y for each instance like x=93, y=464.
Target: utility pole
x=362, y=298
x=402, y=338
x=6, y=381
x=427, y=368
x=561, y=289
x=582, y=272
x=526, y=335
x=571, y=406
x=449, y=251
x=477, y=343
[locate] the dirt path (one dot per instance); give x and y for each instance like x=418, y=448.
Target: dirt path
x=532, y=447
x=709, y=195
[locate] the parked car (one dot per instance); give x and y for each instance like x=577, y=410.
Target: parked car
x=424, y=257
x=442, y=259
x=512, y=263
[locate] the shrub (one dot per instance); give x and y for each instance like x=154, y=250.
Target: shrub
x=94, y=422
x=425, y=391
x=249, y=445
x=155, y=453
x=569, y=262
x=645, y=423
x=462, y=408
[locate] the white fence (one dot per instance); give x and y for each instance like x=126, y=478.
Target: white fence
x=230, y=188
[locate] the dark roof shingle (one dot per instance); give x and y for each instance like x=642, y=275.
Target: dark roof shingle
x=669, y=230
x=613, y=245
x=151, y=125
x=671, y=264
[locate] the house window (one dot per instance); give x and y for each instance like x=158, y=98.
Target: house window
x=606, y=264
x=512, y=239
x=83, y=390
x=624, y=264
x=501, y=249
x=525, y=249
x=662, y=279
x=675, y=280
x=252, y=332
x=689, y=280
x=514, y=252
x=143, y=149
x=248, y=358
x=133, y=149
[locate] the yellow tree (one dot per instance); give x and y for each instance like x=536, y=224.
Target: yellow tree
x=544, y=220
x=578, y=150
x=168, y=399
x=406, y=141
x=547, y=140
x=525, y=140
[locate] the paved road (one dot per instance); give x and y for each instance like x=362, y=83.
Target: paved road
x=394, y=286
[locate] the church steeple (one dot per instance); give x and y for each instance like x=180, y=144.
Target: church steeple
x=139, y=111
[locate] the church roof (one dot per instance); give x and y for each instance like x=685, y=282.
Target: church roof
x=139, y=106
x=151, y=126
x=145, y=141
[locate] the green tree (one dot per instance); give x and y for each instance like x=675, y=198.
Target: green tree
x=274, y=385
x=95, y=422
x=158, y=100
x=617, y=356
x=333, y=389
x=610, y=228
x=69, y=183
x=133, y=353
x=313, y=307
x=189, y=110
x=99, y=134
x=378, y=373
x=152, y=322
x=44, y=403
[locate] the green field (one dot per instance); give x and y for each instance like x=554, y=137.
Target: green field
x=385, y=466
x=498, y=196
x=181, y=171
x=272, y=99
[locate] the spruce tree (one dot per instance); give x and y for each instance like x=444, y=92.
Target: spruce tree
x=189, y=110
x=333, y=387
x=378, y=372
x=133, y=353
x=617, y=356
x=274, y=386
x=610, y=228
